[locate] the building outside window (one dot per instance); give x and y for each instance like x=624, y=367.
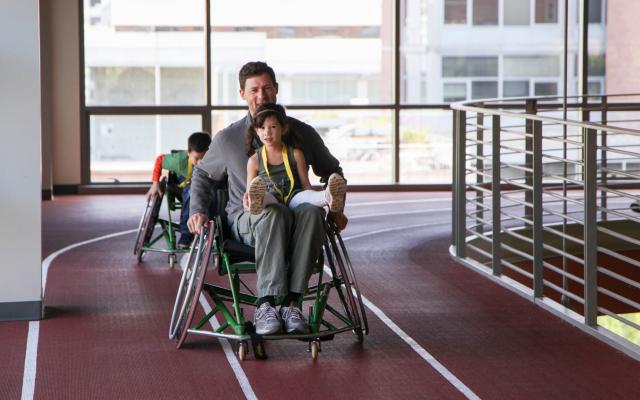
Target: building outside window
x=336, y=68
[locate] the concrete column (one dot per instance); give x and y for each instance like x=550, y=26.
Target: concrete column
x=20, y=166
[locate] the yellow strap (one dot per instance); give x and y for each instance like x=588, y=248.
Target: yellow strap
x=287, y=167
x=187, y=180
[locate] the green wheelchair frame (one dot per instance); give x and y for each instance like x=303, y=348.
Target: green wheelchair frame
x=145, y=240
x=233, y=259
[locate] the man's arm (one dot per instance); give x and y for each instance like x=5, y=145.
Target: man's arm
x=316, y=152
x=201, y=194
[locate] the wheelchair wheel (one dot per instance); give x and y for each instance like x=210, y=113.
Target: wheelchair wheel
x=343, y=274
x=365, y=327
x=147, y=224
x=183, y=291
x=190, y=303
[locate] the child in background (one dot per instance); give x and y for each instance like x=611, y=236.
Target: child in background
x=181, y=163
x=277, y=172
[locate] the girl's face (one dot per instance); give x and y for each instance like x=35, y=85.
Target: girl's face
x=270, y=133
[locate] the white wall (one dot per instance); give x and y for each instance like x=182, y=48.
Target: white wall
x=64, y=75
x=20, y=229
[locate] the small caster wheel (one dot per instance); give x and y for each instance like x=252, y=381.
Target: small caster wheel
x=314, y=349
x=140, y=255
x=259, y=351
x=242, y=351
x=172, y=260
x=358, y=334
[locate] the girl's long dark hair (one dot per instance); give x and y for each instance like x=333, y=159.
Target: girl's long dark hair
x=264, y=111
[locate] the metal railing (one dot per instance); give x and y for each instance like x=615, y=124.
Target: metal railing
x=542, y=197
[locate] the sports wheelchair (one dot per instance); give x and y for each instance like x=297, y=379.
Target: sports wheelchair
x=337, y=304
x=145, y=241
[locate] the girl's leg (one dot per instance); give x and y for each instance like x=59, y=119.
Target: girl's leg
x=269, y=199
x=316, y=198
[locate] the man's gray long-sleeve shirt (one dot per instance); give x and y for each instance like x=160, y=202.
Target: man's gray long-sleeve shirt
x=227, y=158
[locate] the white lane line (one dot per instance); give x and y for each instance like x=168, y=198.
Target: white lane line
x=428, y=357
x=47, y=261
x=426, y=210
x=383, y=202
x=245, y=385
x=29, y=374
x=31, y=353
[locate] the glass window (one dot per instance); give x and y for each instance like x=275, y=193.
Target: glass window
x=425, y=146
x=485, y=12
x=469, y=66
x=545, y=89
x=455, y=11
x=515, y=89
x=137, y=57
x=531, y=66
x=516, y=12
x=595, y=11
x=594, y=88
x=484, y=90
x=597, y=65
x=360, y=139
x=320, y=56
x=454, y=92
x=546, y=11
x=124, y=147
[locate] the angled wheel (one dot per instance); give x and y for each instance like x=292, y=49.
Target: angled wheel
x=147, y=224
x=346, y=284
x=193, y=278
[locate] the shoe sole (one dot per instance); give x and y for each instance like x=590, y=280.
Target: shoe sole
x=257, y=189
x=337, y=188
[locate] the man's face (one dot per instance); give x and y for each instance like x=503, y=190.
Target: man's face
x=258, y=90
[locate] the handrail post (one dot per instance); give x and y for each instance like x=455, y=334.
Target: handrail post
x=538, y=271
x=531, y=107
x=480, y=166
x=603, y=157
x=460, y=184
x=496, y=246
x=590, y=228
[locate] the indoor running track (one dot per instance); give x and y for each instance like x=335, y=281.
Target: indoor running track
x=439, y=330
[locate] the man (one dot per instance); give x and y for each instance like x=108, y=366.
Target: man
x=287, y=242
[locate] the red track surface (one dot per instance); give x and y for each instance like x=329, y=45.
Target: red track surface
x=105, y=335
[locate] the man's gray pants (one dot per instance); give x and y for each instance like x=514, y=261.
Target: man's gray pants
x=287, y=242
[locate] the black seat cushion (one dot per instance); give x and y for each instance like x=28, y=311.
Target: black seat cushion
x=239, y=252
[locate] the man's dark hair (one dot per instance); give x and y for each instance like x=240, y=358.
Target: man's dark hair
x=255, y=68
x=199, y=141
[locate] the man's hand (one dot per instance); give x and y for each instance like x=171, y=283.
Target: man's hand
x=196, y=221
x=340, y=220
x=154, y=189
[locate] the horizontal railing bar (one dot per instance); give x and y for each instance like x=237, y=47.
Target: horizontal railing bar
x=517, y=269
x=561, y=272
x=562, y=253
x=619, y=235
x=618, y=172
x=564, y=292
x=563, y=235
x=621, y=299
x=516, y=150
x=562, y=140
x=619, y=318
x=522, y=254
x=619, y=256
x=479, y=250
x=479, y=188
x=619, y=277
x=579, y=163
x=523, y=220
x=610, y=149
x=518, y=167
x=561, y=197
x=559, y=214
